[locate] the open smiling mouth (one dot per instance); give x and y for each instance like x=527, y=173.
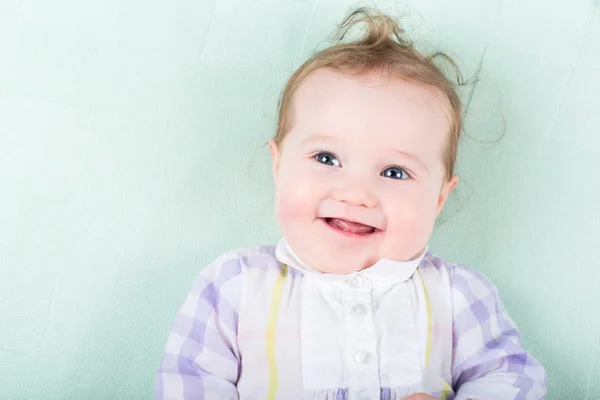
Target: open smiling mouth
x=350, y=226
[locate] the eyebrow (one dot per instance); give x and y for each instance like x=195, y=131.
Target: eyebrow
x=316, y=138
x=412, y=157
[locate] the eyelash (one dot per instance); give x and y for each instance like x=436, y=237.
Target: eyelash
x=320, y=154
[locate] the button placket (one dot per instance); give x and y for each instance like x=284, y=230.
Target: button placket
x=361, y=338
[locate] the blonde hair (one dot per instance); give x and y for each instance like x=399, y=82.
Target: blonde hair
x=383, y=48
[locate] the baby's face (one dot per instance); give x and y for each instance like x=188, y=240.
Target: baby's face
x=360, y=176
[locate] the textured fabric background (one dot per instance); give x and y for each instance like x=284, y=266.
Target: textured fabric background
x=131, y=155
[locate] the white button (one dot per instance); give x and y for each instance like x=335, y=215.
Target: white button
x=362, y=357
x=358, y=311
x=355, y=282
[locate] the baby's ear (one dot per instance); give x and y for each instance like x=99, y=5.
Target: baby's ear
x=275, y=155
x=447, y=188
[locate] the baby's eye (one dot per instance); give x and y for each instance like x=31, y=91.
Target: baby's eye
x=395, y=173
x=327, y=158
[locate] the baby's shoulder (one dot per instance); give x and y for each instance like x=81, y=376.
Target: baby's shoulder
x=242, y=260
x=460, y=276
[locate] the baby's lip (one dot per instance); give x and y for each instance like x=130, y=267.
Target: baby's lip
x=354, y=221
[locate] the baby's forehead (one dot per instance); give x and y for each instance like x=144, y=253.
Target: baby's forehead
x=330, y=101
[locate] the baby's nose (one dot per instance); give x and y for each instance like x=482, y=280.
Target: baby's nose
x=355, y=195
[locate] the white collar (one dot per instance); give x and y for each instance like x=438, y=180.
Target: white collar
x=383, y=271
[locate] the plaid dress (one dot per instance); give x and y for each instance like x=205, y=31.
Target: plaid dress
x=261, y=324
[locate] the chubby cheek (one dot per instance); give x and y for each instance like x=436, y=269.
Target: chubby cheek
x=295, y=198
x=286, y=209
x=410, y=223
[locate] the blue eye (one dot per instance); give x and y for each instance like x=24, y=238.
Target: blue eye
x=327, y=158
x=395, y=173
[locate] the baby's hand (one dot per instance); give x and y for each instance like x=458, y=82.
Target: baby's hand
x=419, y=396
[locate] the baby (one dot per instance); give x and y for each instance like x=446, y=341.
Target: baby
x=350, y=304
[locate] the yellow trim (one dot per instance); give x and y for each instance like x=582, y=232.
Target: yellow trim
x=445, y=391
x=270, y=333
x=429, y=327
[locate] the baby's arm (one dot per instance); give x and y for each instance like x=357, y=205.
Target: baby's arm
x=201, y=358
x=488, y=361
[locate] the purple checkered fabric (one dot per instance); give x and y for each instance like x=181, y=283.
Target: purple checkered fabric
x=203, y=360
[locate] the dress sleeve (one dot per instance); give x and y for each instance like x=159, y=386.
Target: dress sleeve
x=488, y=360
x=201, y=359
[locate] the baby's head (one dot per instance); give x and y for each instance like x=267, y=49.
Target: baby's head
x=364, y=152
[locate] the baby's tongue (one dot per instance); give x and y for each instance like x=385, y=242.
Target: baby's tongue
x=353, y=227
